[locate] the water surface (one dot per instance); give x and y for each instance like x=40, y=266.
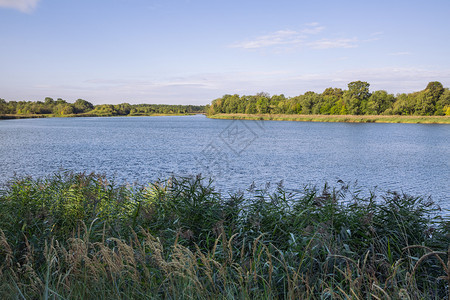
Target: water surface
x=414, y=158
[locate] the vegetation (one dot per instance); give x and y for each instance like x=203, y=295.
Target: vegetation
x=357, y=100
x=60, y=107
x=79, y=236
x=338, y=118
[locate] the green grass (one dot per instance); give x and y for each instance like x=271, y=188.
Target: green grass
x=82, y=236
x=338, y=118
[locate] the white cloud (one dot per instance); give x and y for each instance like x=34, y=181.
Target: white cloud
x=400, y=53
x=313, y=29
x=26, y=6
x=292, y=38
x=202, y=88
x=333, y=43
x=281, y=37
x=312, y=24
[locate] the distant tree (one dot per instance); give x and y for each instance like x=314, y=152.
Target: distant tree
x=123, y=109
x=81, y=106
x=443, y=104
x=379, y=102
x=67, y=110
x=332, y=101
x=60, y=101
x=434, y=89
x=3, y=106
x=233, y=104
x=308, y=101
x=405, y=104
x=49, y=101
x=426, y=102
x=262, y=104
x=263, y=95
x=356, y=97
x=251, y=108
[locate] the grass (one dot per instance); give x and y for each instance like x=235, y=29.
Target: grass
x=82, y=236
x=17, y=116
x=28, y=116
x=338, y=118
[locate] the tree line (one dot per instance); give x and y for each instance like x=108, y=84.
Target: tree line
x=61, y=107
x=356, y=100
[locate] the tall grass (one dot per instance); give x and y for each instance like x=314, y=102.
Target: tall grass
x=81, y=236
x=338, y=118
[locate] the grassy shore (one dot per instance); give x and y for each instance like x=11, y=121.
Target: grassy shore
x=81, y=236
x=15, y=116
x=30, y=116
x=337, y=118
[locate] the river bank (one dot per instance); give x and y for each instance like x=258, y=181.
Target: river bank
x=32, y=116
x=338, y=118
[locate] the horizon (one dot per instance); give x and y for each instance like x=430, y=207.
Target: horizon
x=189, y=104
x=192, y=52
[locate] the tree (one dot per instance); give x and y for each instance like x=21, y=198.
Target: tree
x=67, y=110
x=3, y=106
x=379, y=102
x=425, y=101
x=356, y=97
x=81, y=106
x=308, y=101
x=251, y=108
x=434, y=89
x=443, y=104
x=262, y=104
x=332, y=101
x=405, y=104
x=60, y=101
x=49, y=101
x=123, y=109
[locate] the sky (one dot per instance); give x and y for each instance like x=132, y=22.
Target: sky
x=194, y=51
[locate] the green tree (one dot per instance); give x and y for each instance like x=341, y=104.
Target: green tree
x=3, y=106
x=123, y=109
x=356, y=97
x=308, y=101
x=81, y=106
x=379, y=102
x=443, y=104
x=262, y=104
x=67, y=110
x=251, y=108
x=330, y=104
x=426, y=101
x=405, y=104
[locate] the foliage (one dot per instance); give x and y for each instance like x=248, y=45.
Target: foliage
x=78, y=236
x=82, y=107
x=357, y=100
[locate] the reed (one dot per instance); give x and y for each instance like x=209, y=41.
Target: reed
x=338, y=118
x=82, y=236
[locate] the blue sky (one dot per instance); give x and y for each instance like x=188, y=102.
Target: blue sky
x=193, y=51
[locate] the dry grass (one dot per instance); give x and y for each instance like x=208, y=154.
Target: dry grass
x=338, y=118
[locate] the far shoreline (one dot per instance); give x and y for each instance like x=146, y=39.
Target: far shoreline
x=86, y=115
x=337, y=118
x=268, y=117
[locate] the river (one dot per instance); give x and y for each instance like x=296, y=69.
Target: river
x=413, y=158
